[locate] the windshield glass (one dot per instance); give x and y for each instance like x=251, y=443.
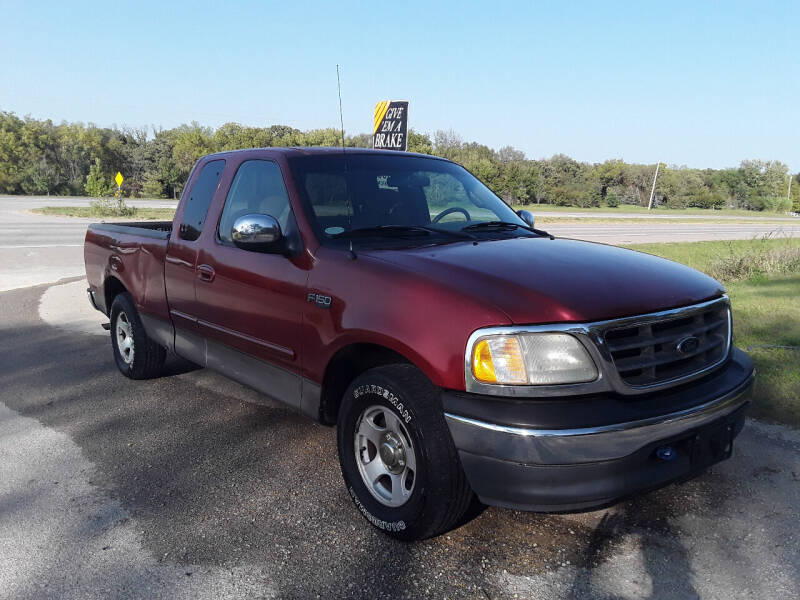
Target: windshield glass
x=384, y=196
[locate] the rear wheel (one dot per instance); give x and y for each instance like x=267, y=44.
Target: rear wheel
x=397, y=457
x=136, y=355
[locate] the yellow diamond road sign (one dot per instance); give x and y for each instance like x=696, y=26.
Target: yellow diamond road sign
x=119, y=179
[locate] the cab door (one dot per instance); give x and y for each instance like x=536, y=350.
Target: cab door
x=180, y=267
x=249, y=304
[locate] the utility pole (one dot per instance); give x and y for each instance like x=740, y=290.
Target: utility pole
x=653, y=191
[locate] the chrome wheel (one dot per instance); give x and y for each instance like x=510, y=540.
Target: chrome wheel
x=124, y=335
x=385, y=456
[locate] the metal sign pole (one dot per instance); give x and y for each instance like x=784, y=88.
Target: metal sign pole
x=653, y=191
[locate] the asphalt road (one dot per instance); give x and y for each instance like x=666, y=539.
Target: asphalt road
x=36, y=249
x=184, y=487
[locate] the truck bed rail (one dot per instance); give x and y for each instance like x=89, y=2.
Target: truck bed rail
x=159, y=230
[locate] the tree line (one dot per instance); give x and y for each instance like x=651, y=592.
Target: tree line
x=39, y=157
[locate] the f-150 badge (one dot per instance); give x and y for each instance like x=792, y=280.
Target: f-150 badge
x=320, y=300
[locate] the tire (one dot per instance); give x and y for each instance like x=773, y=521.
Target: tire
x=390, y=417
x=136, y=355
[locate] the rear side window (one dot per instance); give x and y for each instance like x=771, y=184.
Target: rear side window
x=194, y=216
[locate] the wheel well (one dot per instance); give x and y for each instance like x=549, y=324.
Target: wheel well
x=113, y=287
x=347, y=364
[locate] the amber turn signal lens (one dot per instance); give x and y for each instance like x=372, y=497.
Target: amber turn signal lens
x=499, y=360
x=482, y=366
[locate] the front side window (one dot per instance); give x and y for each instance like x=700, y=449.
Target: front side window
x=257, y=189
x=194, y=215
x=359, y=195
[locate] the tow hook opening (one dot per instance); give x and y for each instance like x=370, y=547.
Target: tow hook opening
x=666, y=453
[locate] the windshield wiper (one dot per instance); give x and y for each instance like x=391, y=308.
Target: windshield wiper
x=397, y=230
x=504, y=226
x=501, y=225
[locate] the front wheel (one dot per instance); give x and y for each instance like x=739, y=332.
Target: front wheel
x=397, y=457
x=136, y=355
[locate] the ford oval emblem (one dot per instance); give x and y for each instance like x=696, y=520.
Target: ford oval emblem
x=687, y=345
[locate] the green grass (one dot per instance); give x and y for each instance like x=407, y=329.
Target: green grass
x=634, y=222
x=733, y=259
x=91, y=212
x=630, y=208
x=766, y=314
x=666, y=216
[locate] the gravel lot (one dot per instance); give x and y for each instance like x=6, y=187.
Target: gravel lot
x=194, y=486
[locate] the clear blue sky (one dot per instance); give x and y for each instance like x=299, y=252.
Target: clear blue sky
x=696, y=83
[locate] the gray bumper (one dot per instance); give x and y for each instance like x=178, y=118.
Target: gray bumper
x=570, y=446
x=546, y=469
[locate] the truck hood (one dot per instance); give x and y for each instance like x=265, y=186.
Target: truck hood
x=539, y=280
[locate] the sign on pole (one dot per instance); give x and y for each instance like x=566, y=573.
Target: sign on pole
x=391, y=125
x=119, y=179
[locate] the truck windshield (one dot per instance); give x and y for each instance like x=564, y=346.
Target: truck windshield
x=364, y=196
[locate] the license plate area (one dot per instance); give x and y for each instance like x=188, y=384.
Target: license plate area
x=710, y=446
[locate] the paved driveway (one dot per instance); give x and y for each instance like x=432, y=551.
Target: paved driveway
x=193, y=486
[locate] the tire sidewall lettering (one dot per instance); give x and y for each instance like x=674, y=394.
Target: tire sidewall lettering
x=379, y=523
x=392, y=399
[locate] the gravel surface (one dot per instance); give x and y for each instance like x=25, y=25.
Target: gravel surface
x=191, y=485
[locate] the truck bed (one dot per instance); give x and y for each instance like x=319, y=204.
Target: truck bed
x=130, y=255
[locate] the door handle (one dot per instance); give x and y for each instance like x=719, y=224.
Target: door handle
x=205, y=273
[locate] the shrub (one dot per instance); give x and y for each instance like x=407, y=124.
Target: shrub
x=152, y=188
x=708, y=199
x=777, y=204
x=105, y=207
x=754, y=263
x=612, y=200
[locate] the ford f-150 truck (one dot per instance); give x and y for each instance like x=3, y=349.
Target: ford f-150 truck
x=461, y=352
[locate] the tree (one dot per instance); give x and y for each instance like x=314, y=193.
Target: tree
x=795, y=193
x=39, y=157
x=97, y=185
x=191, y=142
x=509, y=154
x=446, y=143
x=152, y=187
x=609, y=173
x=418, y=142
x=43, y=178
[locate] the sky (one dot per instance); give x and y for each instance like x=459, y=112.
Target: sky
x=701, y=84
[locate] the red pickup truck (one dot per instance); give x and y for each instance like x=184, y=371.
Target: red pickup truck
x=460, y=351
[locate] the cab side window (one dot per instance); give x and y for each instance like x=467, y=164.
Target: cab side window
x=194, y=215
x=257, y=188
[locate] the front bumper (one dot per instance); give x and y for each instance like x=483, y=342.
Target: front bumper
x=584, y=452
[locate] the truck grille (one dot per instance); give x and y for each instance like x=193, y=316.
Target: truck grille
x=653, y=352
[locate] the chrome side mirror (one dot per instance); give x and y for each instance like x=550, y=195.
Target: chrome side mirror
x=256, y=232
x=526, y=216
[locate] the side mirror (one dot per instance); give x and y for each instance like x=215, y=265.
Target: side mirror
x=526, y=216
x=257, y=233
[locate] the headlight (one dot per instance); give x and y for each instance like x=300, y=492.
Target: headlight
x=532, y=359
